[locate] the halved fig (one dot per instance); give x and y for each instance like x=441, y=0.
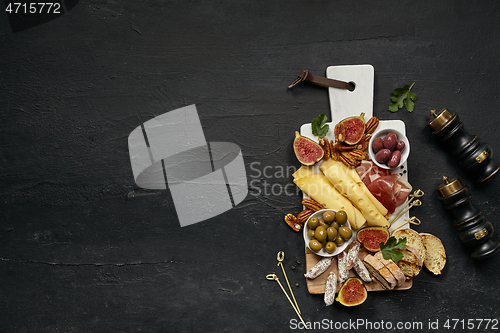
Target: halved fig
x=371, y=237
x=354, y=129
x=352, y=293
x=307, y=151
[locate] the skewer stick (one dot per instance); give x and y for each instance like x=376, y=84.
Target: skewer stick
x=416, y=194
x=280, y=257
x=414, y=203
x=271, y=277
x=413, y=220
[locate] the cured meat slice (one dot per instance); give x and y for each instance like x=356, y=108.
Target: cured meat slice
x=390, y=190
x=369, y=172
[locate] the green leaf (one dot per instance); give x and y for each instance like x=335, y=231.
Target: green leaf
x=392, y=248
x=398, y=91
x=319, y=127
x=403, y=97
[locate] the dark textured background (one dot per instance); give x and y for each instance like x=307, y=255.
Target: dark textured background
x=83, y=249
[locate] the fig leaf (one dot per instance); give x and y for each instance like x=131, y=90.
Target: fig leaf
x=390, y=248
x=403, y=97
x=319, y=126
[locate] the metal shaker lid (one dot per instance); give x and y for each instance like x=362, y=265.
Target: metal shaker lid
x=440, y=119
x=450, y=186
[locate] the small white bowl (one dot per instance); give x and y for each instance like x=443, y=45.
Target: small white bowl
x=381, y=134
x=323, y=252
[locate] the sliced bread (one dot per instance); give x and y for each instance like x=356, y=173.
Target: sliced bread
x=392, y=267
x=436, y=255
x=413, y=239
x=411, y=264
x=380, y=272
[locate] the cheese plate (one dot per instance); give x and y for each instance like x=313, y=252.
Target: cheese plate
x=343, y=104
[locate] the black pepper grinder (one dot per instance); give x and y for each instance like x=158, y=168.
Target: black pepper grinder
x=473, y=156
x=474, y=230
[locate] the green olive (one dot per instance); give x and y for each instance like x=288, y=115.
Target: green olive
x=331, y=233
x=345, y=233
x=335, y=225
x=329, y=216
x=313, y=222
x=310, y=232
x=330, y=247
x=339, y=240
x=341, y=217
x=323, y=223
x=320, y=233
x=315, y=245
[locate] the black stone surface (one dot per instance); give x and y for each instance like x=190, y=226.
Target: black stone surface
x=83, y=249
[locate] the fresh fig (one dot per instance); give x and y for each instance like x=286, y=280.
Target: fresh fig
x=371, y=237
x=307, y=151
x=352, y=293
x=354, y=129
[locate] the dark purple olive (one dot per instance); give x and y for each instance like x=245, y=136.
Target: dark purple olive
x=390, y=141
x=400, y=145
x=383, y=155
x=377, y=144
x=395, y=159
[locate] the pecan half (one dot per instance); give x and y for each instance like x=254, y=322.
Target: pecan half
x=364, y=142
x=336, y=155
x=326, y=148
x=292, y=222
x=347, y=159
x=342, y=147
x=312, y=204
x=304, y=215
x=371, y=125
x=358, y=154
x=339, y=132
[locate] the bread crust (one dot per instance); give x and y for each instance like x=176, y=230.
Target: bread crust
x=379, y=272
x=436, y=254
x=411, y=264
x=413, y=239
x=393, y=268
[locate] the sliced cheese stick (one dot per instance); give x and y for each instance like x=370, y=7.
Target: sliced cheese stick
x=354, y=175
x=302, y=172
x=317, y=187
x=360, y=219
x=344, y=184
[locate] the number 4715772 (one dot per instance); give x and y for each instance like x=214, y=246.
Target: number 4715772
x=33, y=8
x=471, y=324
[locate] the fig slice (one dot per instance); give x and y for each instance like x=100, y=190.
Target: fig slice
x=307, y=151
x=352, y=293
x=354, y=129
x=371, y=237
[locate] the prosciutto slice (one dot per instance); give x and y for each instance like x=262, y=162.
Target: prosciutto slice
x=369, y=172
x=390, y=190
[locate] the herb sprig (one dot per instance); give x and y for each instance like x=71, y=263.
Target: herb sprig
x=403, y=96
x=390, y=248
x=319, y=126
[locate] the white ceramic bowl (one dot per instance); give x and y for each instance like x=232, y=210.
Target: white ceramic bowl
x=381, y=134
x=323, y=252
